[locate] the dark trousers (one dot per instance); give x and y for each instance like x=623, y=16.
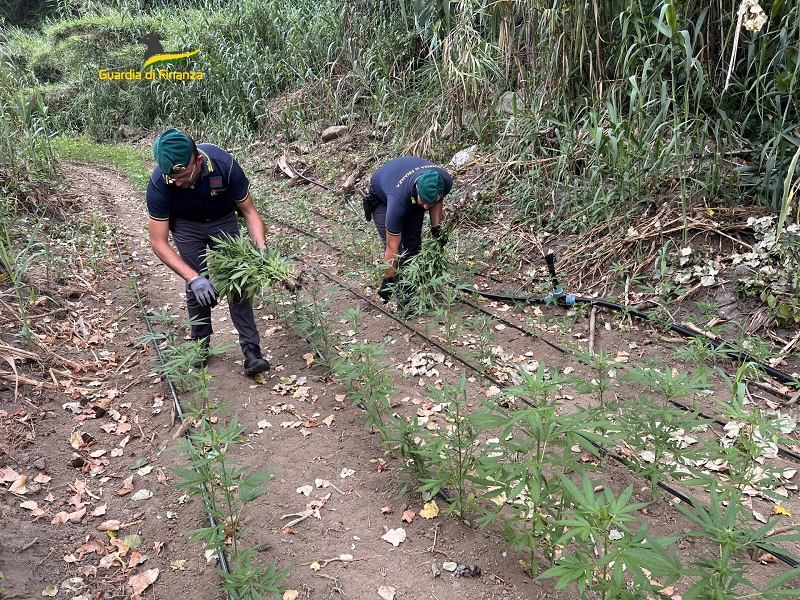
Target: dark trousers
x=411, y=236
x=192, y=239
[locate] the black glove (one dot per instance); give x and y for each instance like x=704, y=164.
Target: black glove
x=203, y=290
x=264, y=253
x=387, y=287
x=437, y=234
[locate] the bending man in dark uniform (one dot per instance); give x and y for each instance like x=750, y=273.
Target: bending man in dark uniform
x=405, y=188
x=194, y=192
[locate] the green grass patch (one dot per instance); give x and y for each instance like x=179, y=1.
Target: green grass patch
x=135, y=164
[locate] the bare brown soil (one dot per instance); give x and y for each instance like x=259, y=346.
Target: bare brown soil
x=88, y=416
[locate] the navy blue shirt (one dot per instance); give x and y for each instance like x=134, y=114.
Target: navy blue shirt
x=221, y=185
x=394, y=183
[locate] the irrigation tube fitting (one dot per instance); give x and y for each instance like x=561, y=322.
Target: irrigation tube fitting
x=558, y=296
x=223, y=561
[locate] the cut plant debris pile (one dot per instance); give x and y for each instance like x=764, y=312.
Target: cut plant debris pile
x=240, y=270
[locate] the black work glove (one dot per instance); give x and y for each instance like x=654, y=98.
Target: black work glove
x=439, y=235
x=387, y=287
x=264, y=253
x=203, y=290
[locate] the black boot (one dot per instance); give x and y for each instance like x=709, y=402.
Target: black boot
x=254, y=363
x=202, y=355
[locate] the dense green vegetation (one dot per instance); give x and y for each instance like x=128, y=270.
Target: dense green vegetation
x=595, y=109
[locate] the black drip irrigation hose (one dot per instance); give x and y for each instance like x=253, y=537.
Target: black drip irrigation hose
x=560, y=298
x=782, y=450
x=791, y=562
x=569, y=300
x=327, y=187
x=223, y=561
x=550, y=299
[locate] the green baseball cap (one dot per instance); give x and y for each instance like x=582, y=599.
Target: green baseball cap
x=173, y=151
x=430, y=187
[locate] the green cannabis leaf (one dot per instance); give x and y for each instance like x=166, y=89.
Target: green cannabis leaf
x=240, y=270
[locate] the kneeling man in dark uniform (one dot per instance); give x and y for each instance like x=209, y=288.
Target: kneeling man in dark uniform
x=194, y=192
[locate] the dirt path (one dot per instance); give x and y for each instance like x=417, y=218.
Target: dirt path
x=125, y=422
x=92, y=440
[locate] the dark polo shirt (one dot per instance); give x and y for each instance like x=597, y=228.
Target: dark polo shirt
x=221, y=185
x=394, y=183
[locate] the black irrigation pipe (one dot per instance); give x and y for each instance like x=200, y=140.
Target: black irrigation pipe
x=558, y=296
x=329, y=188
x=782, y=450
x=550, y=299
x=223, y=561
x=791, y=562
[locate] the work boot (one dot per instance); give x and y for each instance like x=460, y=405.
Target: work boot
x=254, y=363
x=202, y=355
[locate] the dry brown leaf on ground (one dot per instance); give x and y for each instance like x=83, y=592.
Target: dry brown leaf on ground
x=7, y=475
x=127, y=487
x=60, y=518
x=408, y=516
x=111, y=525
x=139, y=583
x=19, y=487
x=395, y=536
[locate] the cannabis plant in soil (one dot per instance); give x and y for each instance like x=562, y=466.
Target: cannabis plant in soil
x=368, y=383
x=726, y=526
x=312, y=320
x=524, y=467
x=225, y=488
x=428, y=275
x=603, y=554
x=452, y=450
x=240, y=270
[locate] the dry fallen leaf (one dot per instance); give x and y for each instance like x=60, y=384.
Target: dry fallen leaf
x=18, y=487
x=386, y=510
x=290, y=594
x=139, y=583
x=127, y=487
x=315, y=566
x=112, y=525
x=60, y=518
x=7, y=474
x=430, y=510
x=780, y=510
x=395, y=536
x=408, y=516
x=386, y=592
